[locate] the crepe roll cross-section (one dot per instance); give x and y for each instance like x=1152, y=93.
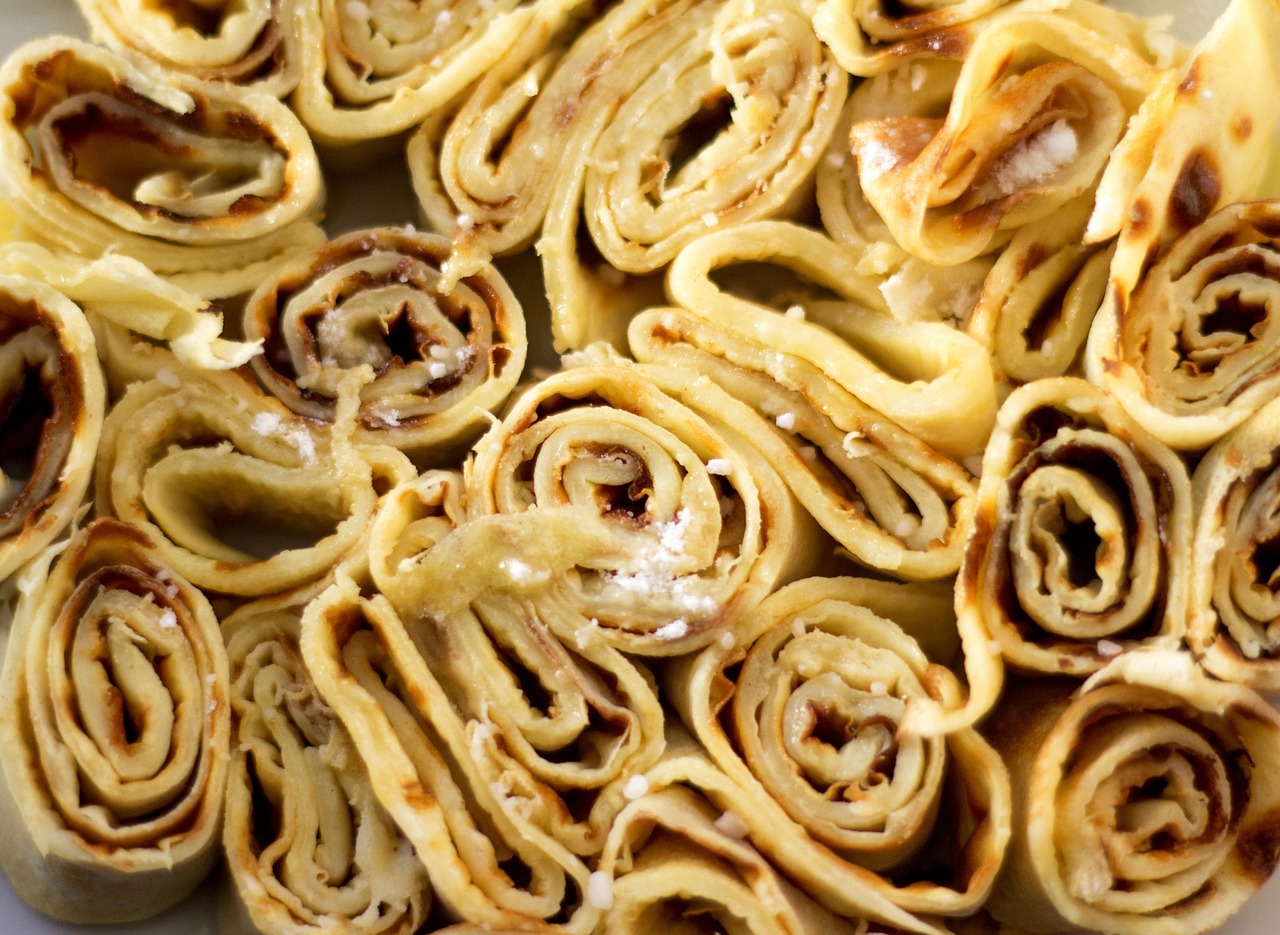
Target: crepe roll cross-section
x=116, y=731
x=203, y=182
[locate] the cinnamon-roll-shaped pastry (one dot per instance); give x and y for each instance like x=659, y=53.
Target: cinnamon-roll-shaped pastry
x=572, y=712
x=893, y=502
x=703, y=528
x=52, y=400
x=1146, y=801
x=811, y=726
x=716, y=115
x=248, y=43
x=477, y=830
x=372, y=68
x=242, y=496
x=308, y=847
x=444, y=354
x=1082, y=537
x=1232, y=604
x=114, y=730
x=981, y=134
x=201, y=181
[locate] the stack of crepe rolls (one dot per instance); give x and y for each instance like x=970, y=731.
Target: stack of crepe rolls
x=247, y=43
x=116, y=731
x=443, y=354
x=204, y=182
x=308, y=848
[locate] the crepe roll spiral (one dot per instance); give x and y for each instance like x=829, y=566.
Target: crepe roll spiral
x=1146, y=800
x=201, y=181
x=812, y=726
x=206, y=466
x=216, y=40
x=115, y=727
x=480, y=839
x=52, y=400
x=308, y=847
x=703, y=526
x=443, y=354
x=957, y=149
x=1082, y=538
x=717, y=119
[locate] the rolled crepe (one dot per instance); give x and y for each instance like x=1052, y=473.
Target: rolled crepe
x=308, y=847
x=203, y=182
x=842, y=797
x=52, y=399
x=1232, y=606
x=443, y=355
x=115, y=730
x=246, y=43
x=1082, y=537
x=703, y=527
x=1187, y=344
x=745, y=88
x=573, y=715
x=1146, y=800
x=1032, y=106
x=488, y=858
x=893, y=502
x=241, y=496
x=373, y=68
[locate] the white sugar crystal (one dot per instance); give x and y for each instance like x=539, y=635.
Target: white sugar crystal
x=795, y=311
x=439, y=352
x=878, y=688
x=444, y=18
x=675, y=630
x=390, y=417
x=530, y=84
x=635, y=788
x=786, y=421
x=437, y=370
x=466, y=222
x=1037, y=157
x=725, y=639
x=1109, y=648
x=721, y=466
x=730, y=824
x=266, y=423
x=600, y=890
x=168, y=619
x=522, y=572
x=710, y=219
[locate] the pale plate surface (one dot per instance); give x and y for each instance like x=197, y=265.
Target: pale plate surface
x=387, y=199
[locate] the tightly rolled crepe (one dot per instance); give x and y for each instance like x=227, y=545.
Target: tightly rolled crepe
x=487, y=855
x=1082, y=538
x=1146, y=800
x=373, y=68
x=713, y=114
x=443, y=354
x=1232, y=605
x=201, y=181
x=209, y=464
x=115, y=729
x=248, y=43
x=570, y=716
x=1032, y=106
x=52, y=399
x=703, y=527
x=811, y=727
x=308, y=848
x=1185, y=339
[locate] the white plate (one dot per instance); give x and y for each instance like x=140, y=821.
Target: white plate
x=386, y=197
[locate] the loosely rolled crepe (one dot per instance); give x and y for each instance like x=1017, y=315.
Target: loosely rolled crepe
x=712, y=115
x=703, y=527
x=241, y=496
x=52, y=399
x=810, y=724
x=1187, y=343
x=444, y=355
x=308, y=848
x=203, y=182
x=373, y=68
x=1145, y=801
x=1232, y=605
x=249, y=42
x=487, y=856
x=115, y=730
x=1082, y=539
x=981, y=134
x=893, y=502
